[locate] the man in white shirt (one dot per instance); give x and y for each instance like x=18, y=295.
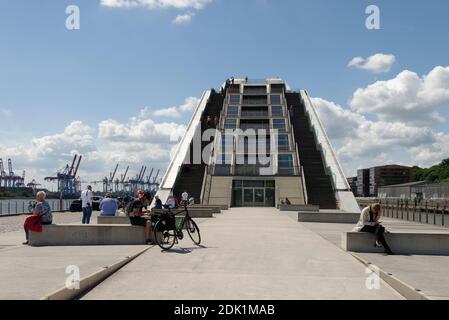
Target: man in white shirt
x=86, y=199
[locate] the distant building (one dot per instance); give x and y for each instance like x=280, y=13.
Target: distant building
x=370, y=180
x=404, y=191
x=387, y=176
x=353, y=184
x=363, y=183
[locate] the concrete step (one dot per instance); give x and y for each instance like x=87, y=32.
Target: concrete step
x=324, y=216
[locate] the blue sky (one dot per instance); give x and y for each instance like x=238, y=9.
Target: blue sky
x=125, y=59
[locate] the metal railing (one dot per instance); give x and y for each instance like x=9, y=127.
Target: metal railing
x=433, y=212
x=331, y=161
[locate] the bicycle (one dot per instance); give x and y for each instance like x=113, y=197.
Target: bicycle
x=167, y=232
x=31, y=206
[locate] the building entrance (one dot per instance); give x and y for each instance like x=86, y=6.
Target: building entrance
x=258, y=193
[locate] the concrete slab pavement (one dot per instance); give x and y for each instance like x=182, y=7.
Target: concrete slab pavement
x=426, y=273
x=248, y=253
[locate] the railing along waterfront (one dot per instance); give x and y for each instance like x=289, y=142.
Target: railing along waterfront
x=25, y=206
x=434, y=212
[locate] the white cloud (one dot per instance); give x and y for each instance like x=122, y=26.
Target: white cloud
x=378, y=63
x=408, y=97
x=156, y=4
x=189, y=105
x=184, y=18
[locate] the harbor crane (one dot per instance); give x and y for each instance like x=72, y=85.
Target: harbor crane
x=69, y=184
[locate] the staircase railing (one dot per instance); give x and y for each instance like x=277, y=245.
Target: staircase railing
x=331, y=161
x=177, y=161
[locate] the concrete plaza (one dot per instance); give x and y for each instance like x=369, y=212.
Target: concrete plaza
x=248, y=253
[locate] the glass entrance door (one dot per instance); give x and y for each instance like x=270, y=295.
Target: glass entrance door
x=257, y=193
x=259, y=198
x=248, y=197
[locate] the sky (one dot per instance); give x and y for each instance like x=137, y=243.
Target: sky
x=118, y=88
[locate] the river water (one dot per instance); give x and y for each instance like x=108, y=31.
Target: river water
x=18, y=206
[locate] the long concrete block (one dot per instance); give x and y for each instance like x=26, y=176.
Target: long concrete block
x=329, y=217
x=306, y=207
x=88, y=235
x=194, y=213
x=400, y=243
x=215, y=209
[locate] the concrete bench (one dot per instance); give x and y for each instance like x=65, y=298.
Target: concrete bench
x=194, y=212
x=400, y=243
x=305, y=207
x=329, y=217
x=215, y=209
x=88, y=235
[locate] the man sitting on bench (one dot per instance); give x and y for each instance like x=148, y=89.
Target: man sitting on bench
x=138, y=213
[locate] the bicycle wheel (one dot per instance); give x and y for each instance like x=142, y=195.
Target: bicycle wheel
x=193, y=231
x=164, y=238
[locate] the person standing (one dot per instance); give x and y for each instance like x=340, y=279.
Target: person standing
x=87, y=200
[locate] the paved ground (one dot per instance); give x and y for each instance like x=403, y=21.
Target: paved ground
x=248, y=254
x=427, y=273
x=31, y=273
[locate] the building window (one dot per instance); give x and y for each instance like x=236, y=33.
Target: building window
x=285, y=164
x=279, y=124
x=275, y=99
x=234, y=99
x=233, y=111
x=283, y=142
x=276, y=111
x=230, y=124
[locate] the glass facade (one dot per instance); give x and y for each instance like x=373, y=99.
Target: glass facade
x=277, y=111
x=253, y=193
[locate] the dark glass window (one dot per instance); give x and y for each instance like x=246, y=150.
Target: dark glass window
x=285, y=161
x=233, y=111
x=275, y=99
x=276, y=111
x=279, y=124
x=234, y=99
x=230, y=124
x=283, y=142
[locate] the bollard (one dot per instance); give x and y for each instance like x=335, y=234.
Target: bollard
x=427, y=214
x=442, y=215
x=435, y=211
